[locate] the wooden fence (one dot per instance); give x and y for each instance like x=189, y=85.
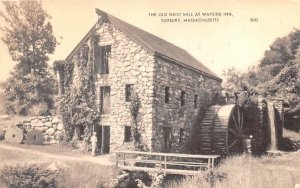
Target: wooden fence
x=170, y=163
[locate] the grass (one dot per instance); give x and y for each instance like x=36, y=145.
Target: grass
x=86, y=175
x=52, y=148
x=249, y=172
x=72, y=173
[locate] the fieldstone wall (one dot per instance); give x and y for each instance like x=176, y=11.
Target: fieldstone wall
x=180, y=119
x=128, y=64
x=51, y=127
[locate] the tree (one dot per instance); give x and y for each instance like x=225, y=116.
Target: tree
x=233, y=82
x=277, y=74
x=29, y=37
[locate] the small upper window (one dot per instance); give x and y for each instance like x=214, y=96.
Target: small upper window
x=127, y=136
x=128, y=91
x=101, y=55
x=105, y=52
x=181, y=135
x=195, y=101
x=182, y=98
x=167, y=94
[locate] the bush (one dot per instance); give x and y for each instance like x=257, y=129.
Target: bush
x=28, y=176
x=40, y=109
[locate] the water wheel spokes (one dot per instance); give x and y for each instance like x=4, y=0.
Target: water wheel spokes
x=235, y=131
x=233, y=143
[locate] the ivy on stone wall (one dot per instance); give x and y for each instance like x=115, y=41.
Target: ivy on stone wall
x=77, y=104
x=135, y=105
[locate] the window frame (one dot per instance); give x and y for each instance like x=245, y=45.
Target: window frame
x=181, y=135
x=127, y=130
x=167, y=95
x=105, y=54
x=103, y=90
x=196, y=101
x=182, y=98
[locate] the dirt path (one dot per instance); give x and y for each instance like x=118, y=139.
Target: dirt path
x=103, y=160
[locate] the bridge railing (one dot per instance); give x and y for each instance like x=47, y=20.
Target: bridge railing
x=172, y=163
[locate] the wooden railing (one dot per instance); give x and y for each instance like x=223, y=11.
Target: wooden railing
x=170, y=163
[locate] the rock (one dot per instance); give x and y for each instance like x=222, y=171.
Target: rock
x=60, y=127
x=18, y=124
x=43, y=129
x=53, y=142
x=47, y=124
x=44, y=120
x=40, y=117
x=26, y=124
x=50, y=131
x=55, y=120
x=46, y=138
x=4, y=117
x=57, y=134
x=37, y=124
x=26, y=121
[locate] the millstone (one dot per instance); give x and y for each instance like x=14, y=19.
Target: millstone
x=14, y=135
x=35, y=137
x=2, y=135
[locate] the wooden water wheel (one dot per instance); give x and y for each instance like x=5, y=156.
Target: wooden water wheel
x=222, y=130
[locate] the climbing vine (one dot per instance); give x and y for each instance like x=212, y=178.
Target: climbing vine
x=77, y=104
x=135, y=105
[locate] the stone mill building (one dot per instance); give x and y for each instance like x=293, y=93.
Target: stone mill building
x=172, y=87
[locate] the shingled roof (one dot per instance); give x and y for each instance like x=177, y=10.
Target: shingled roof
x=155, y=45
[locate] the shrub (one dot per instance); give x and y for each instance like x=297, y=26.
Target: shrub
x=40, y=109
x=28, y=176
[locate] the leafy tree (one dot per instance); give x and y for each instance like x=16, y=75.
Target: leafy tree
x=29, y=37
x=277, y=74
x=232, y=81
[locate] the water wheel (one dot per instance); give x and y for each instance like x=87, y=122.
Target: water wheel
x=222, y=130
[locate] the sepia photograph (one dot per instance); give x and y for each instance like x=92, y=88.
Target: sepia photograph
x=149, y=94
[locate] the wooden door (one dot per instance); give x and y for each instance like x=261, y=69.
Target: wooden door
x=103, y=137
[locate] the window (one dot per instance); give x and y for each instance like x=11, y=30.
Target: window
x=195, y=101
x=167, y=95
x=167, y=132
x=105, y=99
x=101, y=55
x=181, y=135
x=127, y=136
x=105, y=54
x=182, y=98
x=128, y=91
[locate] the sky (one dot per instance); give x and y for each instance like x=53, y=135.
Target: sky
x=238, y=40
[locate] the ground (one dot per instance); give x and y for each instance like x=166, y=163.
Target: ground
x=78, y=169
